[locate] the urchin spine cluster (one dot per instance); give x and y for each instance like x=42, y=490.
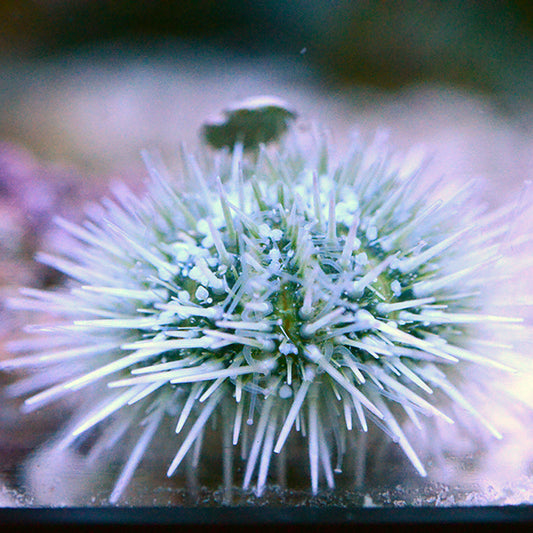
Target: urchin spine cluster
x=285, y=294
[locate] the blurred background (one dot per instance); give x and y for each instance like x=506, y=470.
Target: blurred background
x=85, y=85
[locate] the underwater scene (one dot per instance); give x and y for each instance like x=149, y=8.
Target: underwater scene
x=238, y=273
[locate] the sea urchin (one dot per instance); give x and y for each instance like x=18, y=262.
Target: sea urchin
x=279, y=293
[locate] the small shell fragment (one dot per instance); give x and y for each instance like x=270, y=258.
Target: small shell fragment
x=255, y=120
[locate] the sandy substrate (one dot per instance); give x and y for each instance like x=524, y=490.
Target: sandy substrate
x=71, y=127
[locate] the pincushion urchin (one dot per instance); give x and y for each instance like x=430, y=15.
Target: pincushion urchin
x=292, y=299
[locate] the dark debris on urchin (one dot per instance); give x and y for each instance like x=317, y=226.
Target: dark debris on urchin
x=288, y=299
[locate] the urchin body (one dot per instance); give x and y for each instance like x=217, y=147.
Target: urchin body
x=284, y=296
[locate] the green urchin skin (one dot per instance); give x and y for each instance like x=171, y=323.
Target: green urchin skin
x=296, y=296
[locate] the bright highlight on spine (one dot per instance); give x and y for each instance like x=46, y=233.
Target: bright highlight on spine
x=289, y=297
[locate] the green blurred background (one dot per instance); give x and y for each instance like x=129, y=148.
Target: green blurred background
x=484, y=45
x=76, y=72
